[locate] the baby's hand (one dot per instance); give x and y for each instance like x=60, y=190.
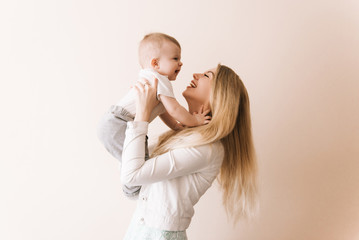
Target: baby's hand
x=201, y=117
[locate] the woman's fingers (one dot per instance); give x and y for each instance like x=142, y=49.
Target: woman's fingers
x=146, y=99
x=139, y=87
x=146, y=83
x=155, y=83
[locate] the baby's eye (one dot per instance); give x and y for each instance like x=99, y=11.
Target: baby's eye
x=206, y=75
x=175, y=59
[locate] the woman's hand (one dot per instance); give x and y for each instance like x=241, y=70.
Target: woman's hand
x=146, y=100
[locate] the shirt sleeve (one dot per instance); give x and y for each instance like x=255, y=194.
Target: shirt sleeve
x=164, y=87
x=175, y=163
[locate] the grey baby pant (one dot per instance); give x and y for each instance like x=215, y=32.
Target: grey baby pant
x=111, y=132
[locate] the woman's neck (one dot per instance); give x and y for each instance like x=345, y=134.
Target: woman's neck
x=195, y=107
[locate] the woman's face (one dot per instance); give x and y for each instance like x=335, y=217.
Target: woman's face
x=199, y=90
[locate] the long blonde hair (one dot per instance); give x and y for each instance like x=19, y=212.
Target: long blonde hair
x=230, y=124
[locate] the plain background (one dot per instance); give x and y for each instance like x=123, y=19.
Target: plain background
x=63, y=63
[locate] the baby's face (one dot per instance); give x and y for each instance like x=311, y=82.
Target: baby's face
x=170, y=60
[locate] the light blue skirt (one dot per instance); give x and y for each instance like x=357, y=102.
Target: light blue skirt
x=139, y=231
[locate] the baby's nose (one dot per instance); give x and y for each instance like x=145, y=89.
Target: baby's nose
x=180, y=63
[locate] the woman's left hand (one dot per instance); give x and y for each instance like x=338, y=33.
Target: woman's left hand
x=146, y=100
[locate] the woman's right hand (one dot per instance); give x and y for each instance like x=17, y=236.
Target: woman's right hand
x=146, y=99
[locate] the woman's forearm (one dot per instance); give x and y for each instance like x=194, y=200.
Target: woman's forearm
x=142, y=116
x=174, y=163
x=133, y=156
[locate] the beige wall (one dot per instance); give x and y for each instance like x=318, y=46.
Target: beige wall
x=62, y=63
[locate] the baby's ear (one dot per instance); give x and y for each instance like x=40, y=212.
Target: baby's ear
x=155, y=63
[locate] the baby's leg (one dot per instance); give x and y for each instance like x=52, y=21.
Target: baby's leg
x=111, y=132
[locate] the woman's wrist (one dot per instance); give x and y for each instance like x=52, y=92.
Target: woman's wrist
x=136, y=127
x=142, y=116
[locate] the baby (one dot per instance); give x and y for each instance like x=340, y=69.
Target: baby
x=160, y=57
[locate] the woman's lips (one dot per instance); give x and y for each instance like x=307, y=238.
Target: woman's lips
x=193, y=84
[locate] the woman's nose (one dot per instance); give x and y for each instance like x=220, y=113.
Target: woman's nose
x=196, y=76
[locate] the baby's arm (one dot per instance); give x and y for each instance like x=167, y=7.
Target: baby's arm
x=170, y=121
x=180, y=114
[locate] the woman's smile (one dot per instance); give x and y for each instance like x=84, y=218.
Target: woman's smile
x=193, y=84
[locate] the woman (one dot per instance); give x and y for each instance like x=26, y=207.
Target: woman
x=184, y=163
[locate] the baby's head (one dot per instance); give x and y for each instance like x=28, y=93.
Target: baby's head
x=161, y=53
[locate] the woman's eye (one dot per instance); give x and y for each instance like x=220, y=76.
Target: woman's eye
x=206, y=75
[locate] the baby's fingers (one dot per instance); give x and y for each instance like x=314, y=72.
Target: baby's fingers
x=206, y=111
x=201, y=110
x=207, y=119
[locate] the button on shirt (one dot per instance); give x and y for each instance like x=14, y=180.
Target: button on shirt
x=172, y=183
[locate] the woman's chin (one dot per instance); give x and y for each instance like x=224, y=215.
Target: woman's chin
x=186, y=91
x=189, y=95
x=189, y=88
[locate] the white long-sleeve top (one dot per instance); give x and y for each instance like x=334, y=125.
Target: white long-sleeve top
x=172, y=183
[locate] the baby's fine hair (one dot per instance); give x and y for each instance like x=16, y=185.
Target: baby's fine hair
x=150, y=47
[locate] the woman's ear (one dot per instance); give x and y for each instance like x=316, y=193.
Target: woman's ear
x=155, y=63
